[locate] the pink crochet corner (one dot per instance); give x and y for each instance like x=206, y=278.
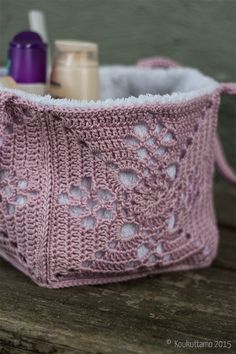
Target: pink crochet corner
x=97, y=196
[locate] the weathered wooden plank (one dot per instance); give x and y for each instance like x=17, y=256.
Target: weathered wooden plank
x=134, y=317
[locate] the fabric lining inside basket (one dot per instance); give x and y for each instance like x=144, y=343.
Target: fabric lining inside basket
x=126, y=85
x=124, y=81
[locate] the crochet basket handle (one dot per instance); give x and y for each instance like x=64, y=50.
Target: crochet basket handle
x=229, y=88
x=157, y=62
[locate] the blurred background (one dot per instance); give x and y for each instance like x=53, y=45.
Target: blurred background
x=200, y=34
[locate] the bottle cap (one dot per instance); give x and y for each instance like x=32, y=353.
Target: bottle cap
x=27, y=55
x=76, y=53
x=75, y=46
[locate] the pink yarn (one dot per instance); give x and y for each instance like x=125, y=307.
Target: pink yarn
x=110, y=194
x=157, y=62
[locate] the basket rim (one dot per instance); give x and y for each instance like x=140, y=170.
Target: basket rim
x=209, y=86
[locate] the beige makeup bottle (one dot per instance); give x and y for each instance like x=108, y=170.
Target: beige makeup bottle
x=75, y=72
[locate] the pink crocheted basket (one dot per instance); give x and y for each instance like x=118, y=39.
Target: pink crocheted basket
x=98, y=192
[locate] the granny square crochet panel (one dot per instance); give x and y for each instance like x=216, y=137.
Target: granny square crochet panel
x=113, y=190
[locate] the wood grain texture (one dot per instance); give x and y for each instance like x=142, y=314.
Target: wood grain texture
x=133, y=317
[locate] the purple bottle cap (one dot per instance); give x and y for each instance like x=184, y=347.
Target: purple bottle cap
x=28, y=58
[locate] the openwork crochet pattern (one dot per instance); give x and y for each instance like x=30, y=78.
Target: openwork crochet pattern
x=97, y=195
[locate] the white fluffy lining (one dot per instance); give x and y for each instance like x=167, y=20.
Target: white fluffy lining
x=130, y=85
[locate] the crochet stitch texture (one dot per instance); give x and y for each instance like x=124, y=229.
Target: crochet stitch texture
x=106, y=194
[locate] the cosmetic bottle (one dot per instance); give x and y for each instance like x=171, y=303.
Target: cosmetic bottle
x=75, y=71
x=28, y=62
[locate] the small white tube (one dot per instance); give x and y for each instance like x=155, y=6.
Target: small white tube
x=37, y=23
